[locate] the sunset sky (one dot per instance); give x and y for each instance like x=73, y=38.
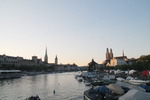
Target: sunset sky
x=74, y=30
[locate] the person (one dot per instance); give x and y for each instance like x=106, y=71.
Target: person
x=54, y=92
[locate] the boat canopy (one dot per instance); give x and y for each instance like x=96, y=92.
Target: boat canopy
x=135, y=95
x=116, y=88
x=10, y=71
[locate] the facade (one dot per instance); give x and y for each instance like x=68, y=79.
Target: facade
x=32, y=62
x=118, y=61
x=18, y=61
x=9, y=60
x=114, y=61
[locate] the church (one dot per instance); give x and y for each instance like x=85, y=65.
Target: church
x=114, y=61
x=46, y=59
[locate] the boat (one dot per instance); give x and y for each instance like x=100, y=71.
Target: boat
x=80, y=79
x=120, y=79
x=76, y=76
x=87, y=83
x=108, y=77
x=137, y=81
x=145, y=87
x=4, y=74
x=33, y=98
x=134, y=94
x=97, y=83
x=112, y=92
x=92, y=94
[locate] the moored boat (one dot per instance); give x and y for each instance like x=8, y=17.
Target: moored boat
x=33, y=98
x=112, y=92
x=92, y=94
x=80, y=79
x=135, y=81
x=4, y=74
x=134, y=94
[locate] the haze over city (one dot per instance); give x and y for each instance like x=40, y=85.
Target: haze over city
x=74, y=30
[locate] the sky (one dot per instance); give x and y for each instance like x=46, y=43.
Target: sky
x=77, y=31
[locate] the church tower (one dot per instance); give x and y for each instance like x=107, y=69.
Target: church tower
x=111, y=54
x=56, y=60
x=123, y=53
x=46, y=57
x=107, y=54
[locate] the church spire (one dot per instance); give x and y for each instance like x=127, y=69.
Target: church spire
x=123, y=53
x=56, y=60
x=46, y=57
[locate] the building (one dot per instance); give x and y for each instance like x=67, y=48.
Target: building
x=32, y=62
x=9, y=60
x=18, y=61
x=93, y=66
x=56, y=60
x=109, y=55
x=117, y=61
x=46, y=57
x=114, y=61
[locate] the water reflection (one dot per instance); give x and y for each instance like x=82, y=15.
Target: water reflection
x=64, y=84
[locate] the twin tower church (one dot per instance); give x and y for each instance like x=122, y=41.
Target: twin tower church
x=114, y=61
x=109, y=55
x=46, y=58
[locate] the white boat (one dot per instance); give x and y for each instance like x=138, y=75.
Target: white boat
x=80, y=79
x=137, y=81
x=87, y=83
x=108, y=77
x=120, y=79
x=4, y=74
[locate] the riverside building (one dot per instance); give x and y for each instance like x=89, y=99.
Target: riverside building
x=114, y=61
x=18, y=61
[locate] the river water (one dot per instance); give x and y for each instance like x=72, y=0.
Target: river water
x=64, y=84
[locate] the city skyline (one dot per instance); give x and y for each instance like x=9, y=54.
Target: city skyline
x=76, y=31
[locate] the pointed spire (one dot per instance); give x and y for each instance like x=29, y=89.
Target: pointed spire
x=56, y=57
x=123, y=53
x=92, y=60
x=46, y=56
x=56, y=60
x=46, y=51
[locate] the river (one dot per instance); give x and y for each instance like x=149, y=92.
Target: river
x=65, y=85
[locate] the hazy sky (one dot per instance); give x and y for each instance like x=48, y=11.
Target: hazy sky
x=74, y=30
